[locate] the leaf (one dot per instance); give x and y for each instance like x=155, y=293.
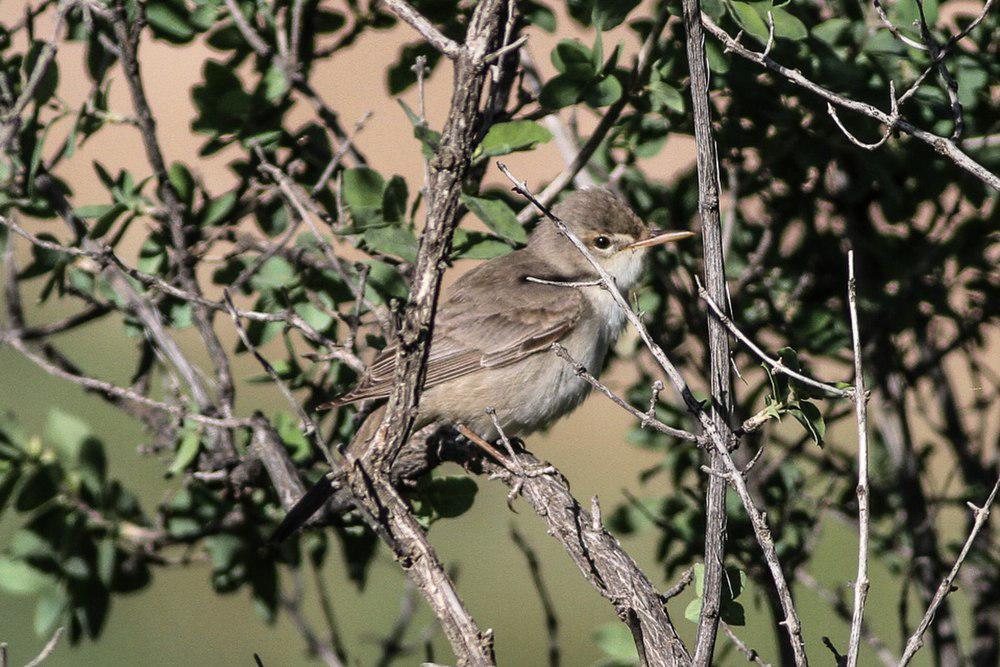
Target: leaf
x=275, y=273
x=608, y=14
x=538, y=15
x=394, y=199
x=168, y=22
x=187, y=452
x=732, y=613
x=475, y=245
x=811, y=419
x=46, y=87
x=363, y=188
x=615, y=640
x=692, y=611
x=787, y=26
x=750, y=20
x=606, y=91
x=561, y=91
x=664, y=94
x=218, y=209
x=573, y=59
x=182, y=180
x=498, y=216
x=67, y=434
x=829, y=31
x=451, y=496
x=19, y=578
x=290, y=433
x=518, y=135
x=275, y=83
x=397, y=241
x=49, y=610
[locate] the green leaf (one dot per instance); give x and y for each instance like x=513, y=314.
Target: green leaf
x=518, y=135
x=498, y=216
x=290, y=433
x=275, y=83
x=829, y=31
x=606, y=91
x=168, y=22
x=19, y=578
x=664, y=94
x=187, y=452
x=218, y=209
x=50, y=609
x=538, y=15
x=363, y=188
x=608, y=14
x=811, y=419
x=748, y=19
x=561, y=91
x=46, y=87
x=692, y=611
x=699, y=579
x=66, y=434
x=573, y=59
x=397, y=241
x=451, y=496
x=615, y=640
x=275, y=273
x=394, y=199
x=787, y=26
x=475, y=245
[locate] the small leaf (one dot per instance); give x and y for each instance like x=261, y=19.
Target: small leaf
x=218, y=209
x=608, y=14
x=732, y=613
x=397, y=241
x=692, y=611
x=187, y=452
x=518, y=135
x=573, y=59
x=750, y=20
x=451, y=496
x=615, y=640
x=498, y=216
x=19, y=578
x=168, y=22
x=787, y=26
x=561, y=91
x=606, y=91
x=363, y=188
x=394, y=199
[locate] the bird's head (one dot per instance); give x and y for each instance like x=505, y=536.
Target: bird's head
x=611, y=231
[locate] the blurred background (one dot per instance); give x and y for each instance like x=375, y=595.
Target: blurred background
x=179, y=619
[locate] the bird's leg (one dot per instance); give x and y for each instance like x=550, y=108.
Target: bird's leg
x=511, y=464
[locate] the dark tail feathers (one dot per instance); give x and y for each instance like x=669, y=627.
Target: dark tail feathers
x=301, y=512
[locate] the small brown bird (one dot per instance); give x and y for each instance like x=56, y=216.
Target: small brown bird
x=494, y=329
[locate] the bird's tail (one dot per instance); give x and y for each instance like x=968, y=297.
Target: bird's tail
x=323, y=490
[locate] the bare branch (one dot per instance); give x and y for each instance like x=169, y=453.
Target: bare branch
x=419, y=22
x=981, y=514
x=775, y=364
x=861, y=412
x=644, y=417
x=47, y=650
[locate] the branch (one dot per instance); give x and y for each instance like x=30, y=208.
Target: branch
x=548, y=607
x=645, y=418
x=47, y=650
x=597, y=553
x=419, y=22
x=861, y=411
x=721, y=384
x=774, y=364
x=941, y=145
x=981, y=514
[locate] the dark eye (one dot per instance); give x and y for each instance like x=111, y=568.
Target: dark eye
x=602, y=243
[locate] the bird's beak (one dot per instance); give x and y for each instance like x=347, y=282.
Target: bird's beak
x=658, y=237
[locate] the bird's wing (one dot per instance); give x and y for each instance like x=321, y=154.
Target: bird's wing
x=481, y=325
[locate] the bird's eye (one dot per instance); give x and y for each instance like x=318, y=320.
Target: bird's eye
x=602, y=243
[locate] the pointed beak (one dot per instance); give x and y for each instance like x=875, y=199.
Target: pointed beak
x=659, y=237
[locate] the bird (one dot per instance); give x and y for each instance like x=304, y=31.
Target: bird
x=494, y=330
